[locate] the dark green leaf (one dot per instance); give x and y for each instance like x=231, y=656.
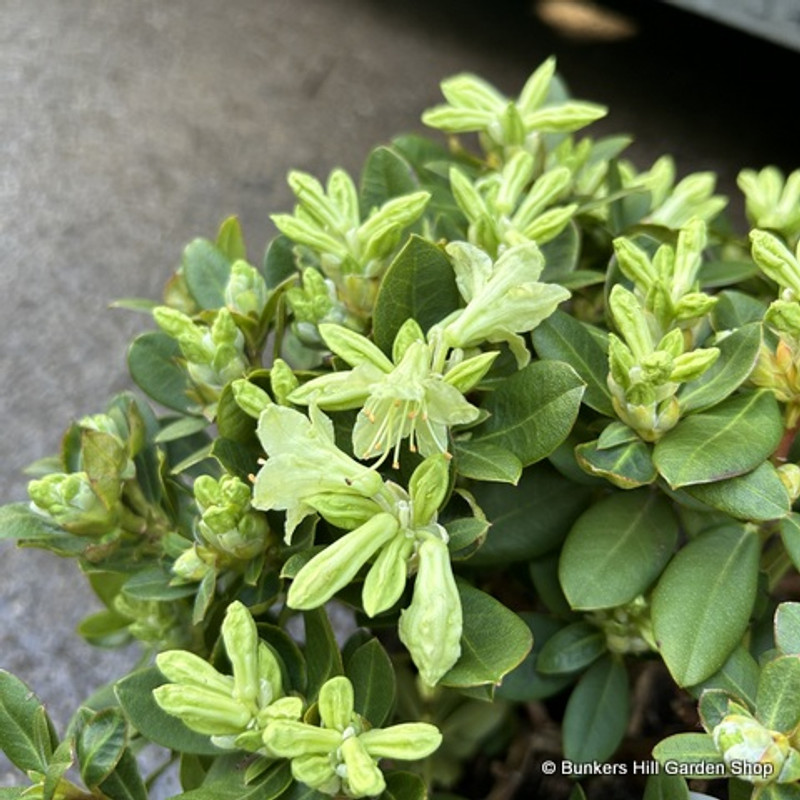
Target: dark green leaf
x=322, y=653
x=59, y=763
x=279, y=263
x=787, y=628
x=125, y=782
x=597, y=712
x=18, y=522
x=135, y=695
x=404, y=786
x=231, y=786
x=230, y=241
x=573, y=648
x=617, y=548
x=561, y=337
x=738, y=678
x=735, y=310
x=561, y=256
x=778, y=697
x=758, y=496
x=419, y=283
x=494, y=640
x=19, y=720
x=713, y=707
x=183, y=426
x=154, y=363
x=731, y=439
x=206, y=270
x=532, y=411
x=153, y=583
x=666, y=787
x=626, y=465
x=530, y=519
x=237, y=458
x=99, y=745
x=372, y=675
x=105, y=629
x=737, y=357
x=484, y=461
x=526, y=683
x=714, y=274
x=712, y=582
x=386, y=175
x=691, y=749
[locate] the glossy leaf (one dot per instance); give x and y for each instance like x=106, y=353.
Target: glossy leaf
x=787, y=628
x=100, y=744
x=125, y=782
x=153, y=361
x=690, y=750
x=597, y=712
x=530, y=519
x=711, y=582
x=737, y=677
x=206, y=270
x=526, y=682
x=571, y=649
x=386, y=175
x=533, y=411
x=708, y=447
x=666, y=787
x=494, y=640
x=322, y=653
x=135, y=695
x=231, y=785
x=616, y=549
x=628, y=465
x=737, y=357
x=483, y=461
x=778, y=697
x=757, y=496
x=371, y=672
x=20, y=725
x=561, y=337
x=419, y=283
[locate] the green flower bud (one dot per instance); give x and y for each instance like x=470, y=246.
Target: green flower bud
x=783, y=316
x=620, y=361
x=346, y=511
x=409, y=333
x=693, y=305
x=549, y=224
x=672, y=343
x=189, y=566
x=282, y=380
x=362, y=776
x=203, y=710
x=428, y=487
x=246, y=292
x=188, y=669
x=516, y=174
x=311, y=195
x=377, y=235
x=629, y=318
x=467, y=374
x=72, y=502
x=467, y=196
x=336, y=703
x=743, y=740
x=431, y=626
x=283, y=708
x=290, y=739
x=241, y=644
x=546, y=189
x=634, y=263
x=776, y=260
x=408, y=742
x=317, y=772
x=688, y=256
x=657, y=367
x=692, y=365
x=337, y=565
x=790, y=478
x=250, y=398
x=387, y=577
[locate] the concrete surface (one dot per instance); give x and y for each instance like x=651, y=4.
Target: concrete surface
x=130, y=128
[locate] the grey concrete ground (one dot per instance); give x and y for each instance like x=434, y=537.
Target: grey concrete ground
x=129, y=128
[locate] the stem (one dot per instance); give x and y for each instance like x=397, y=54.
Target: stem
x=781, y=454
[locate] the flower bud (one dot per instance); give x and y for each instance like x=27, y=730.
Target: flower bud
x=346, y=511
x=250, y=398
x=203, y=710
x=692, y=365
x=407, y=742
x=431, y=626
x=790, y=478
x=241, y=644
x=72, y=503
x=285, y=738
x=317, y=772
x=188, y=669
x=427, y=488
x=630, y=321
x=189, y=566
x=336, y=703
x=743, y=740
x=469, y=373
x=387, y=577
x=246, y=292
x=363, y=778
x=634, y=263
x=693, y=305
x=337, y=565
